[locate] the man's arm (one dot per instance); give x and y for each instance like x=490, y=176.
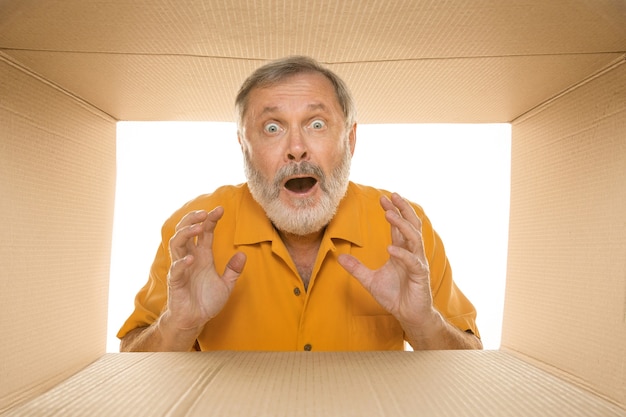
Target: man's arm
x=441, y=335
x=159, y=337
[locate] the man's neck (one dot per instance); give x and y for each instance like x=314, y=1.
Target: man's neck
x=302, y=243
x=303, y=251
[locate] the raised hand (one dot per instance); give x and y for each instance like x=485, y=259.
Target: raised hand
x=197, y=292
x=402, y=284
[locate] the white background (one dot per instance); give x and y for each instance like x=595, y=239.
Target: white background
x=459, y=174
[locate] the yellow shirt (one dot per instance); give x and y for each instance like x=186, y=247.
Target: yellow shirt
x=269, y=308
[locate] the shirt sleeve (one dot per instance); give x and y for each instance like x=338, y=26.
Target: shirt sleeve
x=152, y=298
x=448, y=299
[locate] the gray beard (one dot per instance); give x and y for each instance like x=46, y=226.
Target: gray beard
x=305, y=218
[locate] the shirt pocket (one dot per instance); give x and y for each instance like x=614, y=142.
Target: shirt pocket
x=375, y=332
x=371, y=327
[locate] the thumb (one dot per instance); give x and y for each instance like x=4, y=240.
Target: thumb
x=356, y=268
x=234, y=268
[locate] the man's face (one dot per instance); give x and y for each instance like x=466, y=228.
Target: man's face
x=297, y=152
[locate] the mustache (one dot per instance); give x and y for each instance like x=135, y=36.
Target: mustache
x=300, y=169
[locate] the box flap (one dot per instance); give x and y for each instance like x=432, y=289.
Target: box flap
x=435, y=383
x=407, y=61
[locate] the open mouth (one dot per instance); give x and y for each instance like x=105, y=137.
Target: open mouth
x=300, y=185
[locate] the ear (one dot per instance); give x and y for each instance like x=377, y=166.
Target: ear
x=240, y=140
x=352, y=138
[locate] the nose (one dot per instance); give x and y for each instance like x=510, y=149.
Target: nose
x=296, y=146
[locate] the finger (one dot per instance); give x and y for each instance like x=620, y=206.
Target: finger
x=389, y=207
x=176, y=277
x=386, y=203
x=208, y=226
x=356, y=268
x=414, y=264
x=193, y=217
x=409, y=236
x=404, y=207
x=183, y=241
x=234, y=268
x=213, y=217
x=401, y=206
x=405, y=221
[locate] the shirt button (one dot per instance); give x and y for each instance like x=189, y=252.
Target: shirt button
x=308, y=347
x=296, y=291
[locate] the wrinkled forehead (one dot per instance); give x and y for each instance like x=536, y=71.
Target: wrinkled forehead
x=310, y=91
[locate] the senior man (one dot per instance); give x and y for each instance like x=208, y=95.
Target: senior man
x=299, y=257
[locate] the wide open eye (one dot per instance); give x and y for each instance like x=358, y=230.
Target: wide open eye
x=271, y=128
x=318, y=124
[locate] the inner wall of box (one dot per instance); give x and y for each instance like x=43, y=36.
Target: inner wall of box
x=566, y=280
x=566, y=290
x=57, y=176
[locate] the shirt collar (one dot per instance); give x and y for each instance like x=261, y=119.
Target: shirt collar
x=348, y=221
x=253, y=226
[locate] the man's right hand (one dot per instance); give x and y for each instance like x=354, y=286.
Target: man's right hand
x=197, y=293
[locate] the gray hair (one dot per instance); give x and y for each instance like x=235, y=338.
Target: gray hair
x=276, y=71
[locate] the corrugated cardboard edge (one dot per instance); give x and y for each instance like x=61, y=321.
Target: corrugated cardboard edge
x=23, y=396
x=434, y=383
x=86, y=105
x=561, y=374
x=531, y=112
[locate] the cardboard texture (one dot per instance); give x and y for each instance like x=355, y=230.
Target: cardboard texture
x=57, y=176
x=69, y=70
x=434, y=384
x=567, y=231
x=478, y=61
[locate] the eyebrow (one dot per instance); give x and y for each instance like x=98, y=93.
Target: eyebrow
x=312, y=106
x=317, y=106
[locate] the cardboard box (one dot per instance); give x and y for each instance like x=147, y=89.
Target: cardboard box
x=434, y=383
x=555, y=70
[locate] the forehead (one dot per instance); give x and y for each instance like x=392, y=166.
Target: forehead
x=311, y=90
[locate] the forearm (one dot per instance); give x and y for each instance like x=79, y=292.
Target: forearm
x=440, y=335
x=159, y=337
